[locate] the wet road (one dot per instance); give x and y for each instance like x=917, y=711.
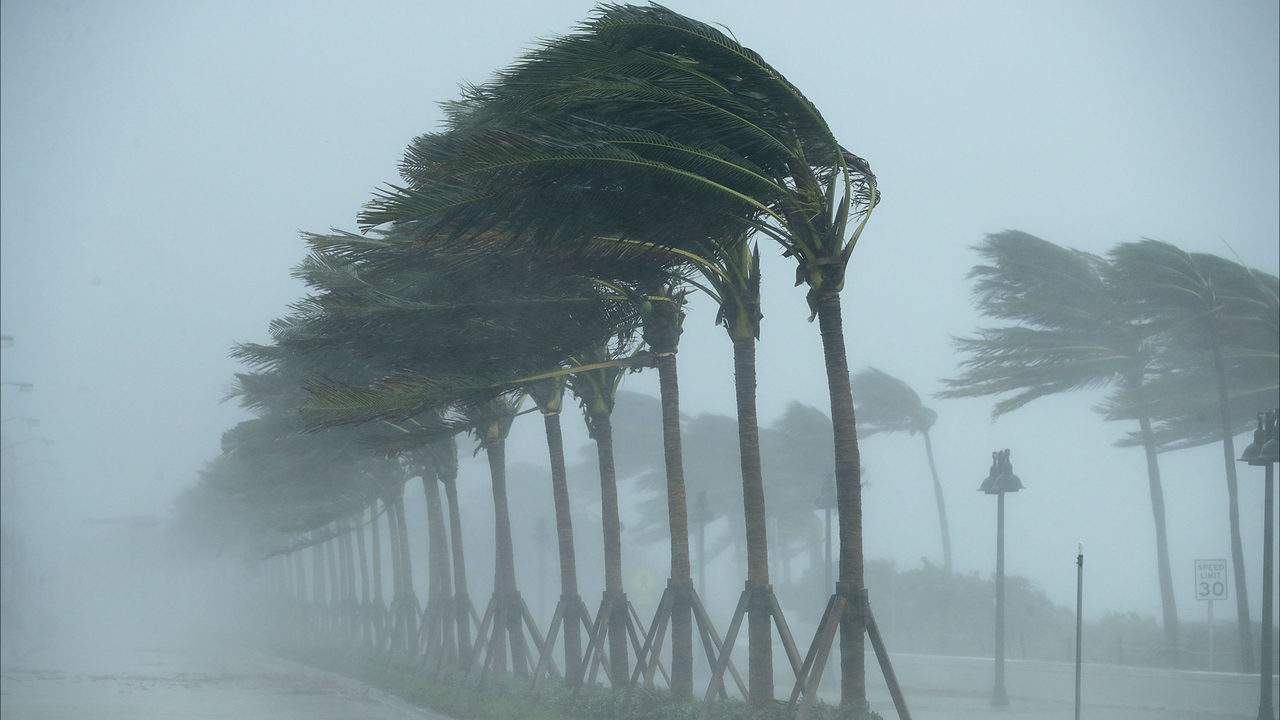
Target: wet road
x=183, y=683
x=926, y=707
x=174, y=683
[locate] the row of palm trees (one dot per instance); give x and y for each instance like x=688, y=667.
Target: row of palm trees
x=1187, y=345
x=545, y=241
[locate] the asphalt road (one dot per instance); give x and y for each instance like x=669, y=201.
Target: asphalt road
x=176, y=683
x=951, y=707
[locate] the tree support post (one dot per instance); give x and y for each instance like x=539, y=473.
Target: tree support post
x=844, y=604
x=754, y=597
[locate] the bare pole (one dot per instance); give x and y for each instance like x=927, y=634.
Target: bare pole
x=999, y=698
x=1266, y=707
x=1079, y=618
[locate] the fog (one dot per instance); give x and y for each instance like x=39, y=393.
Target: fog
x=158, y=162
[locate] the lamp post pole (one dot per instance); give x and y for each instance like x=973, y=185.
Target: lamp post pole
x=1000, y=481
x=1266, y=701
x=999, y=698
x=1080, y=618
x=1265, y=451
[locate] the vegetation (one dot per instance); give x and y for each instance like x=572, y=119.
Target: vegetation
x=505, y=699
x=888, y=404
x=545, y=241
x=1145, y=323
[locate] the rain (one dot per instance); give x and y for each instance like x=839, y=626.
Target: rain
x=701, y=360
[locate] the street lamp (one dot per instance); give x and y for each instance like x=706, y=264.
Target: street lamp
x=1000, y=480
x=1264, y=451
x=22, y=386
x=28, y=421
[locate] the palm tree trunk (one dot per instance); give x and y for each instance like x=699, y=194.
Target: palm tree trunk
x=759, y=629
x=1244, y=627
x=1167, y=601
x=853, y=680
x=602, y=431
x=397, y=578
x=317, y=587
x=300, y=575
x=678, y=519
x=347, y=556
x=504, y=578
x=406, y=569
x=375, y=549
x=441, y=590
x=335, y=582
x=564, y=538
x=941, y=502
x=363, y=614
x=462, y=600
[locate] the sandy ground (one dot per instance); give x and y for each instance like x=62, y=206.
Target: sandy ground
x=184, y=684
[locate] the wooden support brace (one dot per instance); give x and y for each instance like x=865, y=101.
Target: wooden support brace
x=595, y=643
x=731, y=635
x=819, y=651
x=634, y=627
x=784, y=632
x=482, y=629
x=643, y=653
x=712, y=645
x=548, y=646
x=536, y=636
x=882, y=654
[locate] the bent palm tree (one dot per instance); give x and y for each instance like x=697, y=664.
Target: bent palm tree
x=1210, y=309
x=648, y=125
x=1070, y=329
x=887, y=404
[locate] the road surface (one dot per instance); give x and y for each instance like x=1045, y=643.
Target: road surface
x=182, y=683
x=189, y=682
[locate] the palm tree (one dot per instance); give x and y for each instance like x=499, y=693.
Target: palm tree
x=644, y=98
x=1070, y=328
x=446, y=453
x=887, y=404
x=391, y=281
x=438, y=617
x=596, y=391
x=491, y=422
x=663, y=324
x=277, y=389
x=548, y=395
x=1214, y=311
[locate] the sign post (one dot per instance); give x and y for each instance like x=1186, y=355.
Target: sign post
x=1211, y=584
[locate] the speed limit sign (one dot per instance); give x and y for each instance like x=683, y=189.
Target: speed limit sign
x=1211, y=580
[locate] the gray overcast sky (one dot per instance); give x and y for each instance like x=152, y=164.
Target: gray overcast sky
x=159, y=159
